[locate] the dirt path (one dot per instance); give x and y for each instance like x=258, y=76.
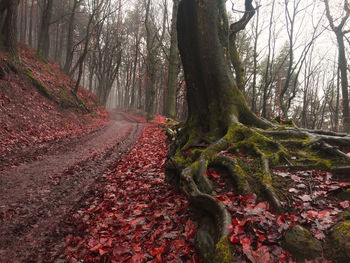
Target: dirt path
x=35, y=197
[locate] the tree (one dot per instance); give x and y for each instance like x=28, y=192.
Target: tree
x=220, y=124
x=44, y=36
x=71, y=23
x=153, y=43
x=342, y=61
x=8, y=25
x=173, y=66
x=234, y=55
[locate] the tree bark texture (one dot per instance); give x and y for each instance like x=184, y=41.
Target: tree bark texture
x=69, y=51
x=342, y=62
x=214, y=101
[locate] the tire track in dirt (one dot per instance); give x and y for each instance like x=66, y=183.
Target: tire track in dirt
x=36, y=197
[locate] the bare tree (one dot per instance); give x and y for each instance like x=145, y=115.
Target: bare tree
x=342, y=61
x=44, y=36
x=173, y=66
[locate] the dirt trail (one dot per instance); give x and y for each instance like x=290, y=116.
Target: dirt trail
x=35, y=197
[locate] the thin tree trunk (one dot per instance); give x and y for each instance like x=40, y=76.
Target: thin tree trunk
x=173, y=66
x=44, y=35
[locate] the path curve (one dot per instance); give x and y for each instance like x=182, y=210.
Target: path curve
x=35, y=197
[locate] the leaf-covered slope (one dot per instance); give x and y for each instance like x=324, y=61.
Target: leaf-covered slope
x=38, y=108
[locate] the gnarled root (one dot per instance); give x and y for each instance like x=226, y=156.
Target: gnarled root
x=284, y=146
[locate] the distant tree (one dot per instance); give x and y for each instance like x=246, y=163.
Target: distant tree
x=8, y=25
x=342, y=61
x=154, y=38
x=71, y=23
x=44, y=35
x=173, y=66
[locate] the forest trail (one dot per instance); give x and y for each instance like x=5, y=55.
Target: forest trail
x=36, y=196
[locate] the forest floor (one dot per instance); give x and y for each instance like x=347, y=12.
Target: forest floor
x=61, y=204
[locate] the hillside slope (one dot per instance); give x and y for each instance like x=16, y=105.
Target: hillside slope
x=38, y=108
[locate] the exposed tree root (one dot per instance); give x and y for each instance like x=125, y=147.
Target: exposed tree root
x=286, y=147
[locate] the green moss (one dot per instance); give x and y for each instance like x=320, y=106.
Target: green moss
x=194, y=167
x=344, y=228
x=38, y=84
x=211, y=152
x=223, y=253
x=181, y=159
x=340, y=242
x=300, y=242
x=66, y=100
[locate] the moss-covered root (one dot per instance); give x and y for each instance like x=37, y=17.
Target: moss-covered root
x=237, y=174
x=209, y=206
x=40, y=86
x=300, y=242
x=199, y=176
x=340, y=242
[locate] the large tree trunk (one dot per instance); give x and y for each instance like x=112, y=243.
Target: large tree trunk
x=173, y=66
x=8, y=25
x=214, y=101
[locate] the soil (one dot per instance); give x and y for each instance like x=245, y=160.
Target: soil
x=37, y=195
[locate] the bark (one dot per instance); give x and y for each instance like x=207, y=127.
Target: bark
x=268, y=76
x=214, y=101
x=255, y=61
x=8, y=25
x=30, y=36
x=69, y=51
x=173, y=66
x=342, y=62
x=44, y=35
x=234, y=54
x=153, y=43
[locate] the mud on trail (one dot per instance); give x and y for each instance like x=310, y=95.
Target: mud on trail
x=35, y=197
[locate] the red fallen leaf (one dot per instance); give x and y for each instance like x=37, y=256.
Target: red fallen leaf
x=283, y=257
x=312, y=214
x=119, y=251
x=157, y=251
x=248, y=198
x=102, y=251
x=223, y=199
x=262, y=254
x=258, y=209
x=137, y=220
x=96, y=248
x=138, y=258
x=345, y=204
x=247, y=249
x=179, y=243
x=233, y=238
x=190, y=229
x=212, y=173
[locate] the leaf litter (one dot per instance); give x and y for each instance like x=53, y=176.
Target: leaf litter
x=256, y=231
x=139, y=218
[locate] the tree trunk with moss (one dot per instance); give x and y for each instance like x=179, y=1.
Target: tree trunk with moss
x=214, y=101
x=219, y=122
